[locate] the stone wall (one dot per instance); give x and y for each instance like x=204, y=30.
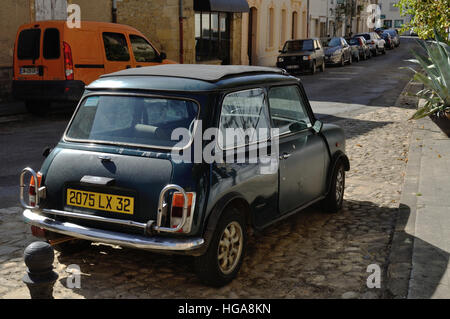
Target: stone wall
x=159, y=21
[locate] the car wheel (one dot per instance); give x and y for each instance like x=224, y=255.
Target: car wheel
x=342, y=60
x=333, y=202
x=223, y=259
x=350, y=59
x=384, y=51
x=322, y=67
x=313, y=68
x=38, y=108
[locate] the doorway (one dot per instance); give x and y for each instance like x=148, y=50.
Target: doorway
x=252, y=34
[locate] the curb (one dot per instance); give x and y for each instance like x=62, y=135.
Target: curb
x=400, y=258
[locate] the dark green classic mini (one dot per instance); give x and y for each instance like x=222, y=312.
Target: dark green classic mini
x=186, y=159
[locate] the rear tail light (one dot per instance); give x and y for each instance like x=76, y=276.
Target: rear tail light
x=177, y=211
x=32, y=189
x=68, y=62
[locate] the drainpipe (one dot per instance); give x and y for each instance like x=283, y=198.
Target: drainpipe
x=114, y=11
x=307, y=20
x=181, y=32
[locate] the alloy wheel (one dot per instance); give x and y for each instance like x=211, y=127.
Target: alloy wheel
x=230, y=247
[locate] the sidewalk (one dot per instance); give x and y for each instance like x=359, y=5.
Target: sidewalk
x=419, y=262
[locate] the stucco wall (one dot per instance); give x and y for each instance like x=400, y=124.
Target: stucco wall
x=266, y=55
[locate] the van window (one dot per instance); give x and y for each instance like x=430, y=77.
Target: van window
x=142, y=50
x=51, y=44
x=116, y=47
x=29, y=46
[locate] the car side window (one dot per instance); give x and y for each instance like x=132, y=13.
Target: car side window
x=142, y=50
x=116, y=47
x=244, y=119
x=287, y=109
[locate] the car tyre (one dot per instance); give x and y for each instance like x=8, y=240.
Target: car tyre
x=38, y=108
x=334, y=199
x=313, y=68
x=322, y=67
x=384, y=51
x=213, y=268
x=342, y=60
x=350, y=59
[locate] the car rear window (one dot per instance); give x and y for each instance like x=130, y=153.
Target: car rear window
x=51, y=44
x=299, y=45
x=365, y=36
x=147, y=121
x=28, y=46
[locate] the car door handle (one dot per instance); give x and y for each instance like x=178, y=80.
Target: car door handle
x=285, y=156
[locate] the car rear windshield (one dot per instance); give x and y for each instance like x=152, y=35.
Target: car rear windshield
x=51, y=44
x=299, y=45
x=353, y=41
x=365, y=36
x=136, y=120
x=28, y=46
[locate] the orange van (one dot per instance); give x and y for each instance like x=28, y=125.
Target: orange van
x=53, y=62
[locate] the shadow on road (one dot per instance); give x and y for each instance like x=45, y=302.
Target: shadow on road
x=309, y=255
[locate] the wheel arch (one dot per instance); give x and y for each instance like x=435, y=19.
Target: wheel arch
x=337, y=157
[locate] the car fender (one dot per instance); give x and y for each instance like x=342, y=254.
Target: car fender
x=337, y=157
x=214, y=215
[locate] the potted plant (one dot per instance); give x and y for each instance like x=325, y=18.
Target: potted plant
x=435, y=76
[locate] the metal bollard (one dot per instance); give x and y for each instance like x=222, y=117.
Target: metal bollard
x=40, y=276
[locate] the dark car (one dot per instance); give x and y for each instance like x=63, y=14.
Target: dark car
x=388, y=39
x=185, y=159
x=338, y=51
x=360, y=49
x=394, y=35
x=302, y=55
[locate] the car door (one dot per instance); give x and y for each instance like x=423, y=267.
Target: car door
x=117, y=51
x=302, y=152
x=346, y=48
x=144, y=54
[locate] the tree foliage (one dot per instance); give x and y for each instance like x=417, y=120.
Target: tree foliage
x=426, y=16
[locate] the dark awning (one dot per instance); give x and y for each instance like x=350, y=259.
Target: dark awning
x=221, y=5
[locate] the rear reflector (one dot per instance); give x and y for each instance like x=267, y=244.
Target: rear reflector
x=32, y=189
x=177, y=211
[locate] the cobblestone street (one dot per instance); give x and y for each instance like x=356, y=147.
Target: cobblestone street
x=309, y=255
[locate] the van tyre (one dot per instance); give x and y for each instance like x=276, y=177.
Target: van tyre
x=223, y=259
x=333, y=202
x=38, y=108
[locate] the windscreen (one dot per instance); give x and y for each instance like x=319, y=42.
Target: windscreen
x=299, y=45
x=147, y=121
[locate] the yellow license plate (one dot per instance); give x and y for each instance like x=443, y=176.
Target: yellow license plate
x=100, y=201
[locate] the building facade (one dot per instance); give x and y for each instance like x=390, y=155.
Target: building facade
x=390, y=15
x=267, y=26
x=188, y=31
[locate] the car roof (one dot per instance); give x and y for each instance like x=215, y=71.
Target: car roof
x=203, y=72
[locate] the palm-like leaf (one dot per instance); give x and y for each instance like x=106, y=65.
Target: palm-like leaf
x=435, y=76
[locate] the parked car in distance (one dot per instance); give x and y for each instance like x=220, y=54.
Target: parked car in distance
x=360, y=47
x=394, y=35
x=374, y=41
x=53, y=62
x=302, y=55
x=389, y=43
x=337, y=51
x=117, y=177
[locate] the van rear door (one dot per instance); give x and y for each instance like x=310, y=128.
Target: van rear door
x=52, y=54
x=28, y=57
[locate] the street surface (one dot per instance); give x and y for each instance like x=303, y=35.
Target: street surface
x=309, y=255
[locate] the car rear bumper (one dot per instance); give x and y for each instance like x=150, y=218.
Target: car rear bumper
x=48, y=90
x=154, y=243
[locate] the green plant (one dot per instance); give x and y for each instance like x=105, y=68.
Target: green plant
x=435, y=76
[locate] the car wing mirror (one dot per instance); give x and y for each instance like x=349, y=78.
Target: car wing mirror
x=163, y=55
x=317, y=127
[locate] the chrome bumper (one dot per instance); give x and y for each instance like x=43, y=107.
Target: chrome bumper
x=34, y=217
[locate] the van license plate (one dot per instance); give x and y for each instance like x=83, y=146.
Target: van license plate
x=29, y=71
x=100, y=201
